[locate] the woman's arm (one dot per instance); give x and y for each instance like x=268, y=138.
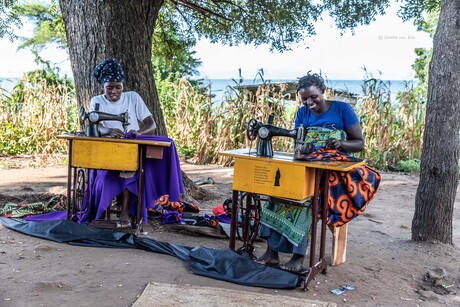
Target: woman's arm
x=353, y=143
x=112, y=132
x=148, y=126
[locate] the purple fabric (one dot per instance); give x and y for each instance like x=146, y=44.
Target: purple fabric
x=170, y=217
x=49, y=216
x=102, y=188
x=224, y=218
x=161, y=176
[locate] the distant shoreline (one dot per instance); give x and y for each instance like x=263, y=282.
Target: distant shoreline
x=8, y=83
x=220, y=86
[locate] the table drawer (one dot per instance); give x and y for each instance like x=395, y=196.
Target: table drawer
x=270, y=177
x=105, y=155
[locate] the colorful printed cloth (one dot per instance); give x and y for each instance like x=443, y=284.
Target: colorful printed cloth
x=318, y=136
x=349, y=192
x=292, y=222
x=163, y=203
x=325, y=154
x=57, y=203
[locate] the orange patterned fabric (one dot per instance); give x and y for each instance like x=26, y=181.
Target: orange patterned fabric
x=163, y=203
x=349, y=192
x=326, y=154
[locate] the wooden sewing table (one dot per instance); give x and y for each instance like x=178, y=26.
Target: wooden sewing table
x=285, y=180
x=106, y=153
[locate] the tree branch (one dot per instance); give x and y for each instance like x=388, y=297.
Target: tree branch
x=202, y=10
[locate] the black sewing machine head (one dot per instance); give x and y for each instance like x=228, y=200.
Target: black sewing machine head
x=265, y=132
x=89, y=121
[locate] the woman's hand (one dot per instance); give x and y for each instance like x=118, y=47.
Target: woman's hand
x=333, y=143
x=117, y=133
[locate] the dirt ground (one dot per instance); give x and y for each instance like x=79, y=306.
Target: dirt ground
x=384, y=265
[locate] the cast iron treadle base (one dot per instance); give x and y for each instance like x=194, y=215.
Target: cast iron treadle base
x=320, y=266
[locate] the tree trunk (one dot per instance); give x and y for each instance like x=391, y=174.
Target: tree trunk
x=123, y=29
x=434, y=202
x=97, y=30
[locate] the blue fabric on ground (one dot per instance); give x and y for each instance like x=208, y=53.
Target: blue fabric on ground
x=230, y=266
x=219, y=264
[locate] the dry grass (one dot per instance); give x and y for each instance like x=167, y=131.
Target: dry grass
x=393, y=130
x=31, y=119
x=30, y=122
x=207, y=129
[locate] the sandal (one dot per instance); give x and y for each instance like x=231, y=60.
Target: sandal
x=300, y=271
x=269, y=262
x=123, y=224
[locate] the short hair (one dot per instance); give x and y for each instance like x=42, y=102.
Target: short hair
x=311, y=80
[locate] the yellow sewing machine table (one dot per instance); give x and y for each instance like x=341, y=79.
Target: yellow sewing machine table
x=106, y=153
x=285, y=180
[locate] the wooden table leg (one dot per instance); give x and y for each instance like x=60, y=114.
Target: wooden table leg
x=339, y=244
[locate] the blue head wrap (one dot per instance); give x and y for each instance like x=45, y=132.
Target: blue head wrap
x=109, y=71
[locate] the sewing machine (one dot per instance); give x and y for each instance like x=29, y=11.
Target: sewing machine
x=265, y=132
x=89, y=121
x=288, y=179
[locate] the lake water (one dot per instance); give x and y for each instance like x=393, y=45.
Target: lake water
x=221, y=87
x=8, y=83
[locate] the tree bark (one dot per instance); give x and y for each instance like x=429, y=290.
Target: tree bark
x=434, y=202
x=97, y=30
x=123, y=29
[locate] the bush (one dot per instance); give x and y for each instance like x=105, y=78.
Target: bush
x=408, y=166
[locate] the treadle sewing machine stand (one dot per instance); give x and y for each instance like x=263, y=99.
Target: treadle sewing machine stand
x=281, y=179
x=106, y=154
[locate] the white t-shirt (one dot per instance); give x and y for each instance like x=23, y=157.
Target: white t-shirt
x=129, y=101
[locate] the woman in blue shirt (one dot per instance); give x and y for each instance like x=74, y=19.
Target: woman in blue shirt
x=315, y=112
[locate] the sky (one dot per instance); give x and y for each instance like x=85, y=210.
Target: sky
x=385, y=48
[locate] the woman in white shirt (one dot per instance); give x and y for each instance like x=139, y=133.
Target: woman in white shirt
x=110, y=74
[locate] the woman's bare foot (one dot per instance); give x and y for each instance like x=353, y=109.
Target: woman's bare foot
x=295, y=265
x=125, y=220
x=270, y=257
